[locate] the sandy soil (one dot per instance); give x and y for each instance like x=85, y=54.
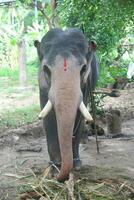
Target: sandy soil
x=24, y=149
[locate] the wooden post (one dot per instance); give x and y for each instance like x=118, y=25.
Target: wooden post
x=114, y=122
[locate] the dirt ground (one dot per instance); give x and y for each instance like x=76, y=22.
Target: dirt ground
x=24, y=150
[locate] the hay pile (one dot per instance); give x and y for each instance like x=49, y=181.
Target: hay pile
x=80, y=186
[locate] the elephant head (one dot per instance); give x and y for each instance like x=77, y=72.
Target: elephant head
x=65, y=58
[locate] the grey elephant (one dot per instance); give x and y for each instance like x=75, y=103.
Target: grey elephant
x=68, y=72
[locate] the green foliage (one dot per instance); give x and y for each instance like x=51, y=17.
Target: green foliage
x=11, y=26
x=28, y=19
x=10, y=73
x=16, y=22
x=117, y=71
x=104, y=21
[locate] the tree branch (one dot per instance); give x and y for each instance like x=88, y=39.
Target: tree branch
x=41, y=9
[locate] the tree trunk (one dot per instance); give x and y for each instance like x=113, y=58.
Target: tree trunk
x=113, y=119
x=22, y=62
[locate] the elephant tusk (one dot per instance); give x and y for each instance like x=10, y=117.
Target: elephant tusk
x=85, y=112
x=47, y=108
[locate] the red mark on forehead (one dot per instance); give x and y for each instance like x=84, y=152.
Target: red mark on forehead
x=65, y=64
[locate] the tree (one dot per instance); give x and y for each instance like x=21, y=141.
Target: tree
x=22, y=62
x=106, y=22
x=103, y=20
x=47, y=9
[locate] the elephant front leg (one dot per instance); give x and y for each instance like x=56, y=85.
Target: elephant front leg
x=79, y=129
x=50, y=126
x=76, y=141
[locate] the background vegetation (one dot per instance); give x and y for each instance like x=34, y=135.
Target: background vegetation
x=109, y=23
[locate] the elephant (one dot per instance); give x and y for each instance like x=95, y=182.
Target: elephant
x=67, y=74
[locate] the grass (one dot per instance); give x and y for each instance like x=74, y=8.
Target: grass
x=19, y=117
x=9, y=82
x=9, y=78
x=8, y=72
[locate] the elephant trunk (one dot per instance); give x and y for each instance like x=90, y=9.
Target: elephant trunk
x=65, y=115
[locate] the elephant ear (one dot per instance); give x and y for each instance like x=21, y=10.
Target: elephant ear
x=42, y=58
x=89, y=57
x=92, y=46
x=37, y=45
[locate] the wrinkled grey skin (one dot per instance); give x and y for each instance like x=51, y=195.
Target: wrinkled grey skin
x=66, y=90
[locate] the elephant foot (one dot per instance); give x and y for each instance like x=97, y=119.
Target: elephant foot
x=77, y=164
x=55, y=167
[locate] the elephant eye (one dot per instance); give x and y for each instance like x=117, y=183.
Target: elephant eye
x=83, y=69
x=47, y=74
